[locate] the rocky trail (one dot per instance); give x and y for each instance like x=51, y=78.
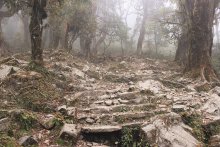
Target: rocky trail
x=113, y=102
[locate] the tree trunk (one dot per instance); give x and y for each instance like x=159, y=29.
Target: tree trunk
x=99, y=42
x=201, y=39
x=181, y=53
x=1, y=36
x=142, y=30
x=37, y=16
x=88, y=43
x=2, y=49
x=85, y=45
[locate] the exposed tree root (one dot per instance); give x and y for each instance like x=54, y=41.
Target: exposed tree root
x=206, y=74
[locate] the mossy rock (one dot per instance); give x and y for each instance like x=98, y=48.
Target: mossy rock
x=53, y=122
x=195, y=122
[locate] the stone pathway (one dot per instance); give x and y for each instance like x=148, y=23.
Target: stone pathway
x=136, y=102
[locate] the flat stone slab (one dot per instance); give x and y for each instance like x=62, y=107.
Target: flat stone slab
x=170, y=131
x=101, y=129
x=69, y=131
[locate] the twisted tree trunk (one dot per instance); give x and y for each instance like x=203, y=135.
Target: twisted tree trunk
x=36, y=29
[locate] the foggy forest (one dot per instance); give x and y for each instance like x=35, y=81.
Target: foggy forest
x=109, y=73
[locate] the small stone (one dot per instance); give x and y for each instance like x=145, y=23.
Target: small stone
x=131, y=88
x=99, y=102
x=151, y=86
x=131, y=83
x=89, y=144
x=123, y=101
x=62, y=109
x=71, y=99
x=69, y=131
x=138, y=100
x=95, y=144
x=47, y=142
x=104, y=97
x=108, y=103
x=77, y=72
x=116, y=102
x=92, y=80
x=86, y=68
x=28, y=141
x=90, y=120
x=48, y=122
x=71, y=111
x=162, y=106
x=178, y=108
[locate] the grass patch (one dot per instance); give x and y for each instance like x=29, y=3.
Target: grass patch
x=131, y=137
x=25, y=120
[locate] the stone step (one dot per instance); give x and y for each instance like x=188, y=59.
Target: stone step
x=119, y=118
x=100, y=129
x=124, y=95
x=118, y=108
